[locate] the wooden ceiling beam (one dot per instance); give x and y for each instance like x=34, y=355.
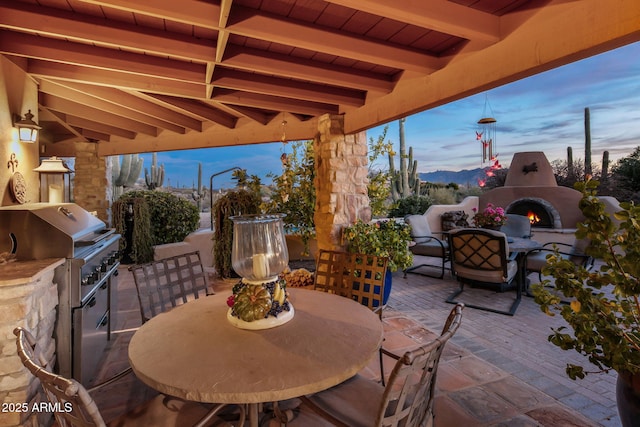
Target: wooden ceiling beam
x=68, y=91
x=95, y=136
x=153, y=110
x=305, y=69
x=58, y=117
x=251, y=82
x=30, y=46
x=248, y=23
x=202, y=110
x=108, y=78
x=82, y=111
x=252, y=113
x=276, y=103
x=438, y=15
x=92, y=125
x=54, y=22
x=202, y=14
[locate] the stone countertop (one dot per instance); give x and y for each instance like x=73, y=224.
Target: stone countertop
x=21, y=272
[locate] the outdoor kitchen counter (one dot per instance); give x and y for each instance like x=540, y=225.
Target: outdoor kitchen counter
x=25, y=272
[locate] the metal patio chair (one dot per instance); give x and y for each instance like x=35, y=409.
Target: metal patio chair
x=79, y=408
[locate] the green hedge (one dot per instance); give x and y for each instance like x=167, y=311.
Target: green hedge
x=172, y=217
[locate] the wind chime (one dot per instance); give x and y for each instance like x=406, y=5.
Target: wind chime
x=486, y=133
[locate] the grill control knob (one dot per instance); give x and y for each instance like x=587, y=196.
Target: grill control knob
x=84, y=281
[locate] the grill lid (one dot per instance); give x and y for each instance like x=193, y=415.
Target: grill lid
x=45, y=230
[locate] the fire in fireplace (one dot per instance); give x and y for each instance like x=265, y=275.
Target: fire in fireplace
x=539, y=212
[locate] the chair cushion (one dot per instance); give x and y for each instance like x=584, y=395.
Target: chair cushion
x=419, y=227
x=494, y=276
x=537, y=260
x=430, y=248
x=356, y=402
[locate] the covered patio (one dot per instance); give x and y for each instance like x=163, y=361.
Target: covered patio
x=104, y=78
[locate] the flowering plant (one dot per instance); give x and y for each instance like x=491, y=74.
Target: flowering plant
x=491, y=216
x=382, y=238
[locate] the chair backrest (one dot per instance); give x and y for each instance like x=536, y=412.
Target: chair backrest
x=356, y=276
x=169, y=282
x=517, y=226
x=420, y=230
x=479, y=254
x=409, y=395
x=75, y=407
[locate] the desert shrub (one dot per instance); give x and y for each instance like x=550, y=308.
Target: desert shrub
x=411, y=205
x=172, y=217
x=236, y=202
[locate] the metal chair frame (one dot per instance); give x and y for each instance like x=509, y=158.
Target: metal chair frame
x=408, y=398
x=169, y=282
x=78, y=409
x=470, y=248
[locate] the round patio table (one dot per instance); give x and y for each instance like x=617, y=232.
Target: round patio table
x=194, y=353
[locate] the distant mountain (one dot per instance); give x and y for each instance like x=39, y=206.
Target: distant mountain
x=462, y=177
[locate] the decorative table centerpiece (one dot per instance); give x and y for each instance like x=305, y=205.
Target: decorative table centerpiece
x=259, y=254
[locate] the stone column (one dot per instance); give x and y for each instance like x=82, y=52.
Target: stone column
x=341, y=180
x=92, y=190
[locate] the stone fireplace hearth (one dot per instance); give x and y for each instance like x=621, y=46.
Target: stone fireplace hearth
x=531, y=189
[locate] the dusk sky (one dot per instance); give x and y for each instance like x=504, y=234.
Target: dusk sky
x=540, y=113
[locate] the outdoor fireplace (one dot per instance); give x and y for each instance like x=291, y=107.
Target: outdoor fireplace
x=531, y=190
x=540, y=212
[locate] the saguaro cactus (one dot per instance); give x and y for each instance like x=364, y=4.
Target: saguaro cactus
x=125, y=171
x=605, y=167
x=404, y=182
x=570, y=170
x=154, y=179
x=198, y=193
x=587, y=142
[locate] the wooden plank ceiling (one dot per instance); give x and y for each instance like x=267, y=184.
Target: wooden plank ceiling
x=165, y=74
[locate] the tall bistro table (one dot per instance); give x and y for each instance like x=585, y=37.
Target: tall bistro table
x=194, y=353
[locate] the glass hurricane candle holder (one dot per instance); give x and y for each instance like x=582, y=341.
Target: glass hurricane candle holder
x=259, y=252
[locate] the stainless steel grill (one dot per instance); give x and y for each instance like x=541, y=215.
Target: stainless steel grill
x=86, y=281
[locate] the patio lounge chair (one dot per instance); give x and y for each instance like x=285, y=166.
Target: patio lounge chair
x=517, y=226
x=79, y=409
x=536, y=259
x=481, y=258
x=426, y=244
x=356, y=276
x=407, y=399
x=166, y=283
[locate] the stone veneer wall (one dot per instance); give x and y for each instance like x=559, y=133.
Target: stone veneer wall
x=92, y=190
x=31, y=305
x=341, y=180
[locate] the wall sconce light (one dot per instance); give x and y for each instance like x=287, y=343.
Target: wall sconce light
x=27, y=128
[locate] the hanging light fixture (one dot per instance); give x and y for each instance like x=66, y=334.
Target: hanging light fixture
x=27, y=128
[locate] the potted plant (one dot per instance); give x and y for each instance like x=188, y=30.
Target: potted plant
x=492, y=217
x=604, y=307
x=381, y=238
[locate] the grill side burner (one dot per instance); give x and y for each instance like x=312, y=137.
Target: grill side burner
x=86, y=281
